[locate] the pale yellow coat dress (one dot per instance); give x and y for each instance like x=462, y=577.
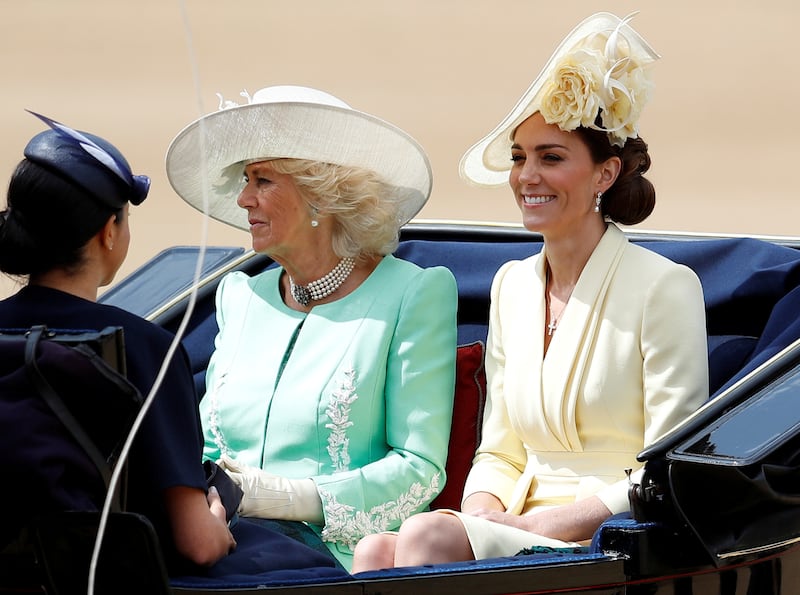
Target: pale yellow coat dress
x=628, y=362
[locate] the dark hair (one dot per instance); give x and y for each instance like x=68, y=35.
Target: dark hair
x=47, y=222
x=632, y=197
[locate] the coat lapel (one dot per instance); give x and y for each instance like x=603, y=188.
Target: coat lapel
x=570, y=350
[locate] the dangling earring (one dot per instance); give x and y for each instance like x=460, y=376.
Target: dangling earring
x=597, y=202
x=314, y=222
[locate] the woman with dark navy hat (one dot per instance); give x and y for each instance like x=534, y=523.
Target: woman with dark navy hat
x=65, y=230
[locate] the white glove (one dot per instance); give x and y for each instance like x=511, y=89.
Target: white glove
x=270, y=496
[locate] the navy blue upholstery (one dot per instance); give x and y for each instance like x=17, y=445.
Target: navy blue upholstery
x=752, y=295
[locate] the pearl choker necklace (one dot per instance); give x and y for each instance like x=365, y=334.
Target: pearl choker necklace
x=324, y=286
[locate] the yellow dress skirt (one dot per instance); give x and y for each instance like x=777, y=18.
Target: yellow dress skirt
x=492, y=540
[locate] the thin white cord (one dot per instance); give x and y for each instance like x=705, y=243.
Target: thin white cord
x=178, y=334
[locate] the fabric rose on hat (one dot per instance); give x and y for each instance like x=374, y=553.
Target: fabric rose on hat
x=571, y=98
x=629, y=92
x=600, y=78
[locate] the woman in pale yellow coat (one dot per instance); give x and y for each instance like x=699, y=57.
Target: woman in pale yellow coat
x=596, y=346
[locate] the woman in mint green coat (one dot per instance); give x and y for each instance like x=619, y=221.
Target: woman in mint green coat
x=330, y=390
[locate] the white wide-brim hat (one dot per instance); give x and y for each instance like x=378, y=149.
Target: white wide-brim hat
x=488, y=162
x=205, y=161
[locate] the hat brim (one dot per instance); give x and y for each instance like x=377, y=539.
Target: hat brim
x=488, y=162
x=203, y=160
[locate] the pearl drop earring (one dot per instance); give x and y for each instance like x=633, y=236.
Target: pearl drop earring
x=597, y=202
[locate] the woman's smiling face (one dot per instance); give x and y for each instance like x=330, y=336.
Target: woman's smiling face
x=553, y=178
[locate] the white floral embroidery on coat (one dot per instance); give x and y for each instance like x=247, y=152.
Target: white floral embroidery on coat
x=345, y=524
x=213, y=418
x=338, y=412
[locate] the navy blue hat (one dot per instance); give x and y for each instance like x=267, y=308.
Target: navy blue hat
x=89, y=161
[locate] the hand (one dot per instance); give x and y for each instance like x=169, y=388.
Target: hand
x=216, y=506
x=272, y=496
x=574, y=523
x=197, y=520
x=503, y=518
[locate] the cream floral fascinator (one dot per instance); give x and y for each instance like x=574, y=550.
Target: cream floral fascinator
x=598, y=77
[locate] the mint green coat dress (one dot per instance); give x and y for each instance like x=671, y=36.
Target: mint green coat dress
x=357, y=394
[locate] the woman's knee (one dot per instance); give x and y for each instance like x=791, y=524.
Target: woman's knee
x=422, y=527
x=373, y=552
x=432, y=538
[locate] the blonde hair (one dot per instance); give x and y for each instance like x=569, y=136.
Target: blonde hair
x=366, y=220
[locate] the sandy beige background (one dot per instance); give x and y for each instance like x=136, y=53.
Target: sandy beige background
x=722, y=127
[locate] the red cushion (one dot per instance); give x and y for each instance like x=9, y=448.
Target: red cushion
x=470, y=396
